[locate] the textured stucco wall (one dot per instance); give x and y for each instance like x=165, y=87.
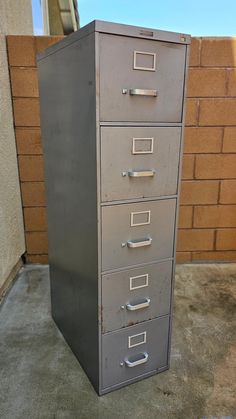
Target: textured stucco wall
x=15, y=18
x=11, y=221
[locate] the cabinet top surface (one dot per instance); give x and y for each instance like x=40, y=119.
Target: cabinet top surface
x=117, y=29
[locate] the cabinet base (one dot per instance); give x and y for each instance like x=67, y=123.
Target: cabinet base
x=107, y=390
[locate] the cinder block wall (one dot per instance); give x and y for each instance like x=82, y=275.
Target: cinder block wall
x=22, y=52
x=207, y=224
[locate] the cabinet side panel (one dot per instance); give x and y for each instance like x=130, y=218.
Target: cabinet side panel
x=68, y=119
x=178, y=194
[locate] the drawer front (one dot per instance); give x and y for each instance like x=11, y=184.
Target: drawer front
x=133, y=234
x=134, y=351
x=150, y=72
x=135, y=295
x=139, y=162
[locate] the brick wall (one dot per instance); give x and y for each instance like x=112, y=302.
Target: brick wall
x=208, y=195
x=207, y=224
x=22, y=52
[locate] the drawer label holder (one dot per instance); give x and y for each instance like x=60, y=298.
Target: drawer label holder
x=142, y=145
x=140, y=218
x=136, y=340
x=138, y=281
x=148, y=57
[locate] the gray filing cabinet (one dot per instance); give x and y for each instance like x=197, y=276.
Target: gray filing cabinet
x=112, y=106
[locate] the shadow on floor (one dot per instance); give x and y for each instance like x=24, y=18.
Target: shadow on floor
x=41, y=379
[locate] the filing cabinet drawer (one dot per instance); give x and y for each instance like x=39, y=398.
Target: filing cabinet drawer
x=135, y=295
x=133, y=234
x=141, y=80
x=134, y=351
x=139, y=162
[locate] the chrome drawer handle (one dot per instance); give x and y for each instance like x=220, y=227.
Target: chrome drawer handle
x=139, y=243
x=140, y=361
x=143, y=92
x=141, y=173
x=140, y=92
x=139, y=306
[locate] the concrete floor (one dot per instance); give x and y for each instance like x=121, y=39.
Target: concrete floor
x=41, y=379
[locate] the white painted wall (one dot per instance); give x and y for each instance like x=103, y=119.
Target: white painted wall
x=15, y=19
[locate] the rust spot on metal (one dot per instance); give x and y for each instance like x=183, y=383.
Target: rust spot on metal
x=132, y=323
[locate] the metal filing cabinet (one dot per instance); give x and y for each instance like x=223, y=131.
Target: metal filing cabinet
x=112, y=107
